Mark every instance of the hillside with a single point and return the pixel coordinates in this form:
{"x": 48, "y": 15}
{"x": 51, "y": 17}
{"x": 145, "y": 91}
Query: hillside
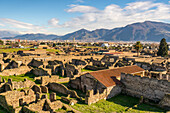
{"x": 144, "y": 31}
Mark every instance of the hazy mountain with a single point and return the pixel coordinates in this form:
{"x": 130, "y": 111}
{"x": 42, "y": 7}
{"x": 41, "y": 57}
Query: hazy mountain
{"x": 36, "y": 37}
{"x": 8, "y": 34}
{"x": 145, "y": 31}
{"x": 85, "y": 35}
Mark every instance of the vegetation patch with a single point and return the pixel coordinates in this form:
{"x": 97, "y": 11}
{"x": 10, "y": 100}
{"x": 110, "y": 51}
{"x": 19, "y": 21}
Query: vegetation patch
{"x": 53, "y": 50}
{"x": 19, "y": 77}
{"x": 119, "y": 103}
{"x": 10, "y": 50}
{"x": 86, "y": 70}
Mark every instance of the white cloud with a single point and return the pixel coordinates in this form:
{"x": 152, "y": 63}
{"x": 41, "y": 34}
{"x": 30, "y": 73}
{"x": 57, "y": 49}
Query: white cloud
{"x": 2, "y": 24}
{"x": 18, "y": 24}
{"x": 53, "y": 22}
{"x": 81, "y": 1}
{"x": 116, "y": 16}
{"x": 22, "y": 27}
{"x": 92, "y": 18}
{"x": 81, "y": 9}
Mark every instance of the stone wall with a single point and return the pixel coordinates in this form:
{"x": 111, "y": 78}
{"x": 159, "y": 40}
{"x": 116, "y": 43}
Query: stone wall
{"x": 62, "y": 80}
{"x": 10, "y": 100}
{"x": 165, "y": 102}
{"x": 93, "y": 98}
{"x": 43, "y": 106}
{"x": 22, "y": 84}
{"x": 113, "y": 91}
{"x": 39, "y": 72}
{"x": 78, "y": 62}
{"x": 56, "y": 87}
{"x": 44, "y": 80}
{"x": 16, "y": 71}
{"x": 86, "y": 82}
{"x": 89, "y": 67}
{"x": 149, "y": 88}
{"x": 106, "y": 94}
{"x": 10, "y": 85}
{"x": 47, "y": 79}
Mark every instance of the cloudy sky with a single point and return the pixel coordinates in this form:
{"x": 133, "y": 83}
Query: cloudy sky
{"x": 65, "y": 16}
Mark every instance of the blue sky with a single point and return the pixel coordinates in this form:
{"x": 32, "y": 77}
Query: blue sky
{"x": 64, "y": 16}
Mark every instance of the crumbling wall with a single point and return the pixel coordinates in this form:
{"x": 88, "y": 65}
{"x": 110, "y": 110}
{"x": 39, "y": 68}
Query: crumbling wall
{"x": 62, "y": 89}
{"x": 22, "y": 84}
{"x": 165, "y": 102}
{"x": 10, "y": 100}
{"x": 47, "y": 79}
{"x": 62, "y": 80}
{"x": 78, "y": 62}
{"x": 149, "y": 88}
{"x": 39, "y": 72}
{"x": 16, "y": 71}
{"x": 93, "y": 98}
{"x": 113, "y": 91}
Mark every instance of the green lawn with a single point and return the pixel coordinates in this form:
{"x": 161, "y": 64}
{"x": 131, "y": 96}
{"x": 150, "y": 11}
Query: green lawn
{"x": 19, "y": 77}
{"x": 2, "y": 110}
{"x": 118, "y": 104}
{"x": 9, "y": 50}
{"x": 53, "y": 50}
{"x": 91, "y": 47}
{"x": 86, "y": 70}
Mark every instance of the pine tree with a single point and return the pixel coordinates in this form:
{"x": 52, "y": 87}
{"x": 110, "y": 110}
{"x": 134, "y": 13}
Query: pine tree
{"x": 163, "y": 48}
{"x": 138, "y": 46}
{"x": 1, "y": 42}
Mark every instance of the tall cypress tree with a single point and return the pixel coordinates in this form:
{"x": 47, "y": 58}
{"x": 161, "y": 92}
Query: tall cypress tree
{"x": 163, "y": 48}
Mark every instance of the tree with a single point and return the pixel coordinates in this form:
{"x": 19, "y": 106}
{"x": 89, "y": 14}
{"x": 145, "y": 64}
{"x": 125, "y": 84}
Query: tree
{"x": 1, "y": 42}
{"x": 163, "y": 48}
{"x": 138, "y": 46}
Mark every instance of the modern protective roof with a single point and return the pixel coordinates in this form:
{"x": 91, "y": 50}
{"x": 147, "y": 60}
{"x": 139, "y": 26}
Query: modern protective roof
{"x": 108, "y": 76}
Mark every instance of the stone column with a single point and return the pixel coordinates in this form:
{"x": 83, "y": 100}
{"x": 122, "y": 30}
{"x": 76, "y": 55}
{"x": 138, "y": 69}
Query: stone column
{"x": 62, "y": 72}
{"x": 10, "y": 81}
{"x": 44, "y": 89}
{"x": 150, "y": 75}
{"x": 52, "y": 97}
{"x": 37, "y": 96}
{"x": 3, "y": 80}
{"x": 160, "y": 75}
{"x": 21, "y": 102}
{"x": 143, "y": 74}
{"x": 167, "y": 77}
{"x": 44, "y": 96}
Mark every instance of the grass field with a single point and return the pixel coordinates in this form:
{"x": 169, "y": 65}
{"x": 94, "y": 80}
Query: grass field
{"x": 86, "y": 70}
{"x": 10, "y": 50}
{"x": 53, "y": 50}
{"x": 19, "y": 77}
{"x": 2, "y": 110}
{"x": 118, "y": 104}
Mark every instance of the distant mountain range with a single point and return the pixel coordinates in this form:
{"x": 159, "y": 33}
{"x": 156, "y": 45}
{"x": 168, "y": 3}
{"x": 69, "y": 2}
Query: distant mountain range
{"x": 8, "y": 34}
{"x": 145, "y": 31}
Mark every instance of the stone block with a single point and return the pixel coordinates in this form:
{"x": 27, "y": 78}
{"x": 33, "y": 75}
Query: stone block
{"x": 44, "y": 89}
{"x": 52, "y": 96}
{"x": 36, "y": 89}
{"x": 44, "y": 96}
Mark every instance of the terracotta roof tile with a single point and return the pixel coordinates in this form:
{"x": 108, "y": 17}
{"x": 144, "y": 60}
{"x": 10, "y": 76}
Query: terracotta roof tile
{"x": 106, "y": 76}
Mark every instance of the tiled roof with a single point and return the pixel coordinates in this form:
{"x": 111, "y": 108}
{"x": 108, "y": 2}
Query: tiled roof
{"x": 106, "y": 76}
